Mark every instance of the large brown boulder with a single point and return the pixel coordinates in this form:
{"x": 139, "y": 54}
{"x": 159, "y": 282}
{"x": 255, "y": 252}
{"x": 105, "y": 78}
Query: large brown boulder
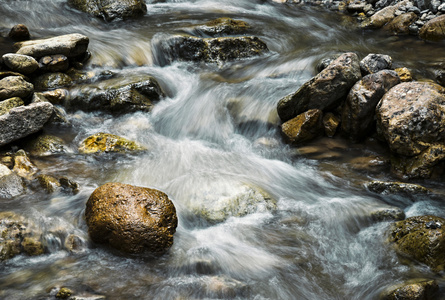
{"x": 111, "y": 9}
{"x": 325, "y": 90}
{"x": 422, "y": 239}
{"x": 131, "y": 219}
{"x": 434, "y": 29}
{"x": 359, "y": 107}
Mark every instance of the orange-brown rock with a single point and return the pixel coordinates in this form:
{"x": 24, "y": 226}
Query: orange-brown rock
{"x": 131, "y": 219}
{"x": 303, "y": 127}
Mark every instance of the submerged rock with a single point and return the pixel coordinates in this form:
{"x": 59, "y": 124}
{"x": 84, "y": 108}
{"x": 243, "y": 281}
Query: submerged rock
{"x": 396, "y": 188}
{"x": 20, "y": 63}
{"x": 222, "y": 49}
{"x": 50, "y": 81}
{"x": 303, "y": 127}
{"x": 70, "y": 45}
{"x": 111, "y": 9}
{"x": 422, "y": 239}
{"x": 414, "y": 289}
{"x": 117, "y": 95}
{"x": 105, "y": 142}
{"x": 358, "y": 111}
{"x": 131, "y": 219}
{"x": 23, "y": 121}
{"x": 44, "y": 145}
{"x": 325, "y": 90}
{"x": 15, "y": 86}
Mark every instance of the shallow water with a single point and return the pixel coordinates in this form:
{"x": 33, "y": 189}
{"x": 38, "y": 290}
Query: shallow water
{"x": 213, "y": 138}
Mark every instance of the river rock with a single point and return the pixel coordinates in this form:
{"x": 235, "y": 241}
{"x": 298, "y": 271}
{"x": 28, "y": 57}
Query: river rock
{"x": 433, "y": 30}
{"x": 46, "y": 144}
{"x": 222, "y": 49}
{"x": 20, "y": 63}
{"x": 222, "y": 26}
{"x": 383, "y": 16}
{"x": 54, "y": 63}
{"x": 130, "y": 218}
{"x": 358, "y": 111}
{"x": 57, "y": 96}
{"x": 325, "y": 90}
{"x": 396, "y": 188}
{"x": 50, "y": 81}
{"x": 410, "y": 117}
{"x": 405, "y": 74}
{"x": 11, "y": 184}
{"x": 218, "y": 201}
{"x": 105, "y": 142}
{"x": 23, "y": 165}
{"x": 49, "y": 183}
{"x": 15, "y": 86}
{"x": 388, "y": 214}
{"x": 70, "y": 45}
{"x": 330, "y": 124}
{"x": 400, "y": 24}
{"x": 111, "y": 9}
{"x": 422, "y": 239}
{"x": 19, "y": 32}
{"x": 374, "y": 63}
{"x": 8, "y": 104}
{"x": 23, "y": 121}
{"x": 117, "y": 95}
{"x": 17, "y": 237}
{"x": 414, "y": 289}
{"x": 303, "y": 127}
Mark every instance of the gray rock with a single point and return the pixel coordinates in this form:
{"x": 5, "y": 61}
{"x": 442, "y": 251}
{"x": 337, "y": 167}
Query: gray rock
{"x": 20, "y": 63}
{"x": 45, "y": 145}
{"x": 325, "y": 90}
{"x": 117, "y": 95}
{"x": 8, "y": 104}
{"x": 111, "y": 9}
{"x": 15, "y": 86}
{"x": 373, "y": 63}
{"x": 23, "y": 121}
{"x": 359, "y": 108}
{"x": 70, "y": 45}
{"x": 11, "y": 184}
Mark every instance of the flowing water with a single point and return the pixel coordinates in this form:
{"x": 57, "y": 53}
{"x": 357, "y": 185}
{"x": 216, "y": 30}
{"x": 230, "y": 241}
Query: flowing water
{"x": 211, "y": 138}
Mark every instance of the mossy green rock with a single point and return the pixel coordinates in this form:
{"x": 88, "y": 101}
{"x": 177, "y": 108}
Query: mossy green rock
{"x": 414, "y": 289}
{"x": 422, "y": 239}
{"x": 45, "y": 145}
{"x": 8, "y": 104}
{"x": 105, "y": 142}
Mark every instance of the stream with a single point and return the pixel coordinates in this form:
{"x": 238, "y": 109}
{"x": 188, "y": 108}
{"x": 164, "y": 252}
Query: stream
{"x": 213, "y": 137}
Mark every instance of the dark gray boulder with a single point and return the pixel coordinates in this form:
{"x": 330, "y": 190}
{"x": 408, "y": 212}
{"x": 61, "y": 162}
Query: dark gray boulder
{"x": 111, "y": 9}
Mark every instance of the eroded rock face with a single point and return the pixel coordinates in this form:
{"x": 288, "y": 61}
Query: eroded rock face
{"x": 70, "y": 45}
{"x": 222, "y": 49}
{"x": 23, "y": 121}
{"x": 434, "y": 29}
{"x": 131, "y": 219}
{"x": 414, "y": 289}
{"x": 422, "y": 239}
{"x": 105, "y": 142}
{"x": 303, "y": 127}
{"x": 325, "y": 90}
{"x": 359, "y": 107}
{"x": 117, "y": 95}
{"x": 411, "y": 117}
{"x": 111, "y": 9}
